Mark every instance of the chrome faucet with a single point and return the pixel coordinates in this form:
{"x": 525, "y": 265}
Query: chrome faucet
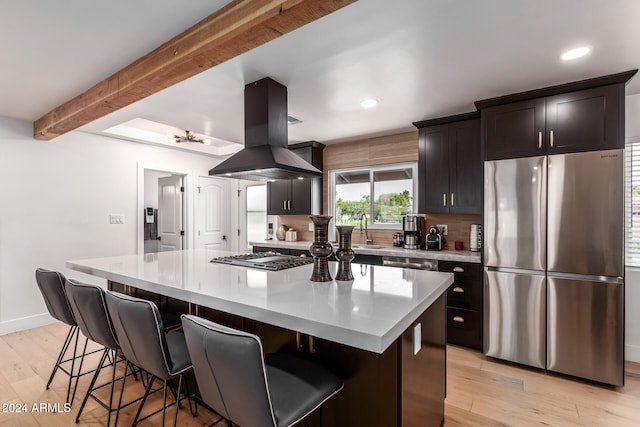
{"x": 366, "y": 228}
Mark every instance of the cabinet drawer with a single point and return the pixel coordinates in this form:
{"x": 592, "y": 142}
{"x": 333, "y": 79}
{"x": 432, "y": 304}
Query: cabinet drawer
{"x": 464, "y": 327}
{"x": 466, "y": 269}
{"x": 465, "y": 294}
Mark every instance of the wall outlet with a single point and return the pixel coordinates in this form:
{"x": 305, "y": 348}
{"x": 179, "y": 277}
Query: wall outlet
{"x": 116, "y": 219}
{"x": 310, "y": 226}
{"x": 442, "y": 228}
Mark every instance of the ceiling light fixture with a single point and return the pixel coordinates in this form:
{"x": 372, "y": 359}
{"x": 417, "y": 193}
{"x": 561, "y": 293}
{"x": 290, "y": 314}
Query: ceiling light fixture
{"x": 188, "y": 137}
{"x": 368, "y": 103}
{"x": 575, "y": 53}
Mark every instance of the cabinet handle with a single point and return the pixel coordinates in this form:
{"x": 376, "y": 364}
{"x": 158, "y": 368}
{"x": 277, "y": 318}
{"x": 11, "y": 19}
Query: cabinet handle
{"x": 539, "y": 140}
{"x": 551, "y": 138}
{"x": 312, "y": 349}
{"x": 444, "y": 199}
{"x": 458, "y": 319}
{"x": 452, "y": 199}
{"x": 289, "y": 204}
{"x": 458, "y": 289}
{"x": 284, "y": 205}
{"x": 298, "y": 344}
{"x": 458, "y": 270}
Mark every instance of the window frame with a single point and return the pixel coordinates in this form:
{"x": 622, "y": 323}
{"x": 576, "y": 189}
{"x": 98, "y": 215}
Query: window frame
{"x": 244, "y": 238}
{"x": 372, "y": 169}
{"x": 631, "y": 233}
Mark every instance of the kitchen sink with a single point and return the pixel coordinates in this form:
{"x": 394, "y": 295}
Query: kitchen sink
{"x": 366, "y": 247}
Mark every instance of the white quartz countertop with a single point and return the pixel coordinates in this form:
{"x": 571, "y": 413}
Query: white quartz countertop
{"x": 370, "y": 313}
{"x": 444, "y": 255}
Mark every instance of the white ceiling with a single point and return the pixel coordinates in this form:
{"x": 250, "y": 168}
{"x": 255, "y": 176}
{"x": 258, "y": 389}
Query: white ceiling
{"x": 420, "y": 58}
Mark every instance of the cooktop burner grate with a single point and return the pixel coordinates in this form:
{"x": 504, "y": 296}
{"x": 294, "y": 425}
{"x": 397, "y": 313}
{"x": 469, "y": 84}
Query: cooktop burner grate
{"x": 272, "y": 261}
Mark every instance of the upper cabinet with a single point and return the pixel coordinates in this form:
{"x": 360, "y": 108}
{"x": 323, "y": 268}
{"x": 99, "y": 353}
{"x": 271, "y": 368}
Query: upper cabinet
{"x": 449, "y": 165}
{"x": 298, "y": 196}
{"x": 581, "y": 116}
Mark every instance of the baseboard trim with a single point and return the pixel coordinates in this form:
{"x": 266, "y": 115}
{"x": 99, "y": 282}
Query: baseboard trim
{"x": 632, "y": 353}
{"x": 23, "y": 323}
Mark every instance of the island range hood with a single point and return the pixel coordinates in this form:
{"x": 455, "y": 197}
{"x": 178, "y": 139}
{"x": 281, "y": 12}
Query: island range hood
{"x": 266, "y": 155}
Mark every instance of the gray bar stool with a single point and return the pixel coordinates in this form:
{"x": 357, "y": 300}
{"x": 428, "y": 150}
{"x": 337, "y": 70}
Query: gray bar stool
{"x": 90, "y": 310}
{"x": 51, "y": 285}
{"x": 145, "y": 343}
{"x": 248, "y": 388}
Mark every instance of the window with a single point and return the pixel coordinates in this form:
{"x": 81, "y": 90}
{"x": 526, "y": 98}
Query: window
{"x": 256, "y": 198}
{"x": 383, "y": 193}
{"x": 632, "y": 204}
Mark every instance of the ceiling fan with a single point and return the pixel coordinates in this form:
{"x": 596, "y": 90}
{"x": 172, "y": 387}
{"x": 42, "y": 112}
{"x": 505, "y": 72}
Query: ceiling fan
{"x": 188, "y": 137}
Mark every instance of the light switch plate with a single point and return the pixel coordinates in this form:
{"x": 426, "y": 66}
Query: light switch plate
{"x": 310, "y": 226}
{"x": 116, "y": 219}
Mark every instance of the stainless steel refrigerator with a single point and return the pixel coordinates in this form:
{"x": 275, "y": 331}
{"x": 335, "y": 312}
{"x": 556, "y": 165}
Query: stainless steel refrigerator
{"x": 554, "y": 270}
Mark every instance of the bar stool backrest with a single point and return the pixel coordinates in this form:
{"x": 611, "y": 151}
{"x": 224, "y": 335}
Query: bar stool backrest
{"x": 90, "y": 310}
{"x": 51, "y": 285}
{"x": 230, "y": 371}
{"x": 140, "y": 333}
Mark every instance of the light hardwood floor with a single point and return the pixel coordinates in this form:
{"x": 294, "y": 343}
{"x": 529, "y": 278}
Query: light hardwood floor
{"x": 480, "y": 391}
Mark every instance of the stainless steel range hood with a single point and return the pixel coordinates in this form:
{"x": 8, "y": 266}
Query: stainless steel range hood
{"x": 266, "y": 155}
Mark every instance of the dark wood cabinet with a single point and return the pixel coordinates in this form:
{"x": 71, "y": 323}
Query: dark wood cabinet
{"x": 298, "y": 196}
{"x": 464, "y": 304}
{"x": 449, "y": 165}
{"x": 584, "y": 120}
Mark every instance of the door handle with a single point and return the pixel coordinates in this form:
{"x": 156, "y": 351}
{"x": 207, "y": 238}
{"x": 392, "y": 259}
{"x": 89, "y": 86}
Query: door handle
{"x": 539, "y": 140}
{"x": 458, "y": 289}
{"x": 551, "y": 138}
{"x": 444, "y": 199}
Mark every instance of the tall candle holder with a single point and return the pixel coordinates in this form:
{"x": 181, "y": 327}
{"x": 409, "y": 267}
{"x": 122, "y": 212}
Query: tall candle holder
{"x": 344, "y": 254}
{"x": 320, "y": 248}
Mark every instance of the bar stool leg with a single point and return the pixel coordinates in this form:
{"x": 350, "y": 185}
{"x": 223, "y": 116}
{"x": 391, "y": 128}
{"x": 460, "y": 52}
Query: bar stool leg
{"x": 72, "y": 331}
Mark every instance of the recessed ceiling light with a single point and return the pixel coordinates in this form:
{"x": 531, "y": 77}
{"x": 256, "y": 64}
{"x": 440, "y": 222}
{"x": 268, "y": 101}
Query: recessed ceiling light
{"x": 575, "y": 53}
{"x": 368, "y": 103}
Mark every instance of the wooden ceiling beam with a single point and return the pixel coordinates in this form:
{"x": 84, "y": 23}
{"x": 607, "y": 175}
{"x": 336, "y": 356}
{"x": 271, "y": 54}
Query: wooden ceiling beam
{"x": 229, "y": 32}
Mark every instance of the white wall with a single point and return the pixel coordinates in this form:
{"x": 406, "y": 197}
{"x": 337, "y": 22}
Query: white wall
{"x": 55, "y": 201}
{"x": 632, "y": 275}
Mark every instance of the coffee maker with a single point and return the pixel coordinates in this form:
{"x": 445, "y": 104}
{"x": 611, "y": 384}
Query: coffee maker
{"x": 412, "y": 226}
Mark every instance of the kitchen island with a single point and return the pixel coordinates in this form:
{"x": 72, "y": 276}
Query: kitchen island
{"x": 384, "y": 333}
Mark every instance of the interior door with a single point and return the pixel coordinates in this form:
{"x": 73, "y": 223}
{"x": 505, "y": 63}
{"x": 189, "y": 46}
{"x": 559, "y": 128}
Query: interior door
{"x": 211, "y": 213}
{"x": 170, "y": 208}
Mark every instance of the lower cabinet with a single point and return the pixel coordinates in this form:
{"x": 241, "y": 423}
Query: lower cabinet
{"x": 464, "y": 304}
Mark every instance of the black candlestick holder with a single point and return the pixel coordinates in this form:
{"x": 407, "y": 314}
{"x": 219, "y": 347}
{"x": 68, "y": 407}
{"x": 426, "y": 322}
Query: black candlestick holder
{"x": 344, "y": 254}
{"x": 321, "y": 249}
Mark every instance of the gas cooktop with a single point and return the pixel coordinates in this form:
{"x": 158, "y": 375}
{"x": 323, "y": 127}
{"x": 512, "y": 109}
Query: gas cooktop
{"x": 264, "y": 260}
